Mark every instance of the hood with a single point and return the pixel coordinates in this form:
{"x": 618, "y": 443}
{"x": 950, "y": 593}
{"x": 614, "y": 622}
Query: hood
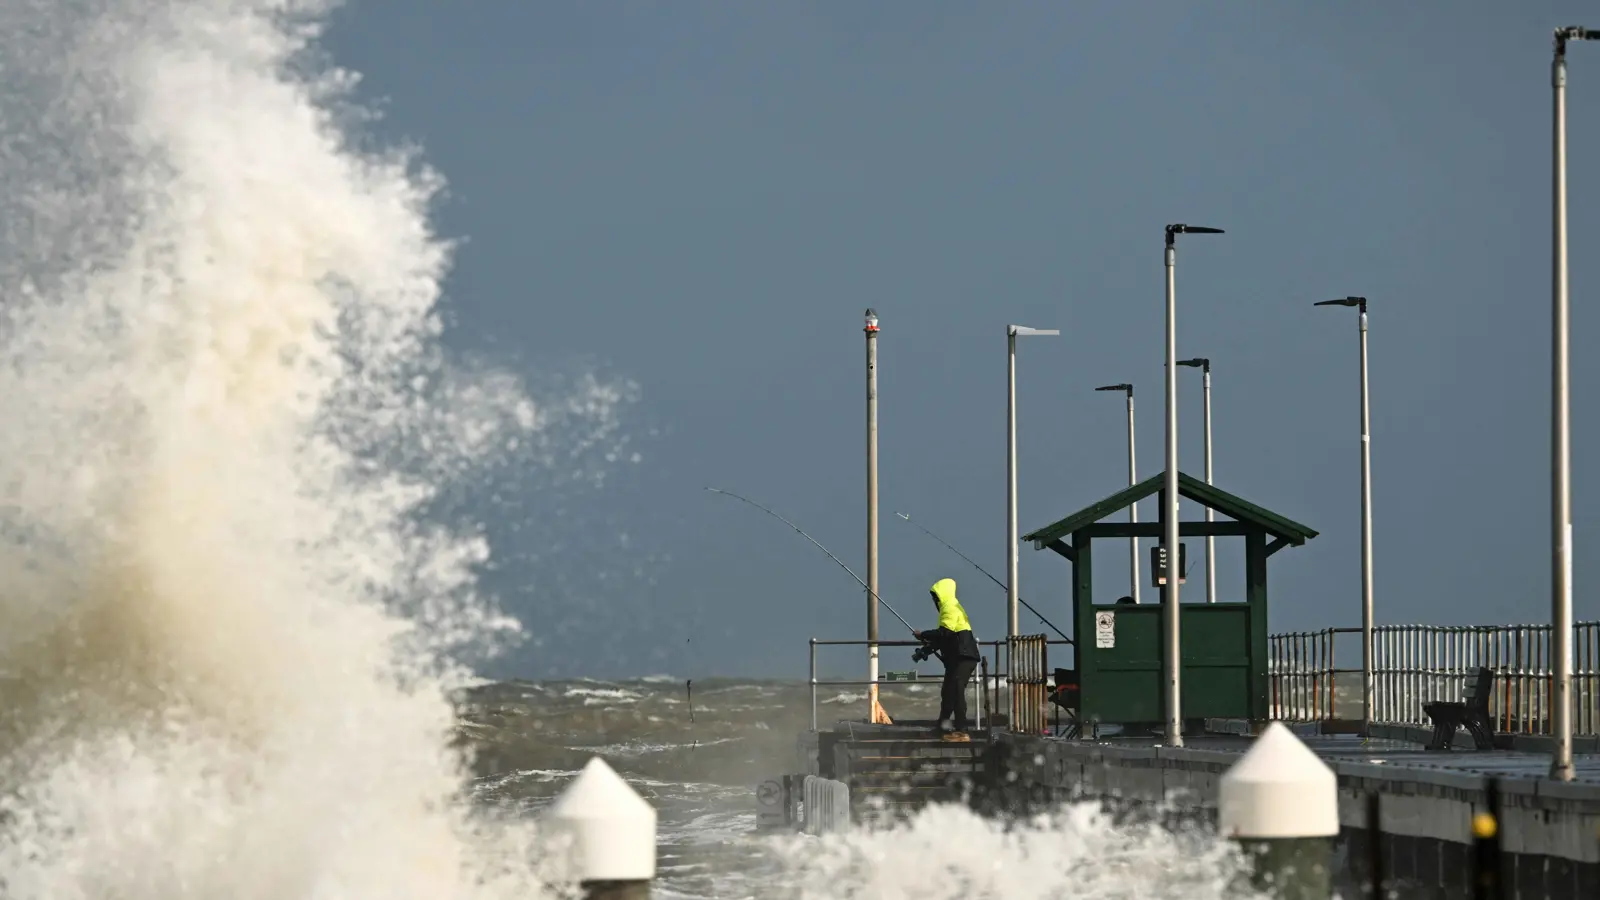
{"x": 944, "y": 591}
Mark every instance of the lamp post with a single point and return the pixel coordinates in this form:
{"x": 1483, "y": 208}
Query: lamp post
{"x": 1211, "y": 515}
{"x": 1012, "y": 333}
{"x": 1360, "y": 303}
{"x": 875, "y": 712}
{"x": 1169, "y": 502}
{"x": 1560, "y": 424}
{"x": 1133, "y": 479}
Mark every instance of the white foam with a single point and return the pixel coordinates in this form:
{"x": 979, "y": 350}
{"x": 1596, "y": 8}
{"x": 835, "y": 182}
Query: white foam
{"x": 949, "y": 853}
{"x": 228, "y": 620}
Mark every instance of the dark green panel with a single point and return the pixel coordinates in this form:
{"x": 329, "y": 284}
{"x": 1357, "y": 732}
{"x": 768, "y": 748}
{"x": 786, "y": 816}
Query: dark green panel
{"x": 1255, "y": 567}
{"x": 1216, "y": 693}
{"x": 1122, "y": 684}
{"x": 1082, "y": 596}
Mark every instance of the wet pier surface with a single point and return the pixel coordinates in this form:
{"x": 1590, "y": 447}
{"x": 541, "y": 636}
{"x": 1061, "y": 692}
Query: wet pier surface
{"x": 1398, "y": 754}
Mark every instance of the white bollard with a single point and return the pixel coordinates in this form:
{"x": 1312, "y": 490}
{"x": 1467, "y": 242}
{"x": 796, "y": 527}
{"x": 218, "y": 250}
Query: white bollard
{"x": 1280, "y": 801}
{"x": 613, "y": 833}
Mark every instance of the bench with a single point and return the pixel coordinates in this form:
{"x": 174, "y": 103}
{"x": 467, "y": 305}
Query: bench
{"x": 1473, "y": 712}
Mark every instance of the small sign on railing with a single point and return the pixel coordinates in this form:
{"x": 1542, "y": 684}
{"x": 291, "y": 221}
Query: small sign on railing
{"x": 900, "y": 676}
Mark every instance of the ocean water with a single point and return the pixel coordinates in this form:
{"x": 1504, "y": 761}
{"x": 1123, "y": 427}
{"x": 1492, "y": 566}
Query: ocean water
{"x": 238, "y": 608}
{"x": 699, "y": 762}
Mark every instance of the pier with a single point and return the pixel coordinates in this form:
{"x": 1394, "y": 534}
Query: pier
{"x": 1426, "y": 800}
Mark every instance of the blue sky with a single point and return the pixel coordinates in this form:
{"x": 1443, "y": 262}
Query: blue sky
{"x": 703, "y": 197}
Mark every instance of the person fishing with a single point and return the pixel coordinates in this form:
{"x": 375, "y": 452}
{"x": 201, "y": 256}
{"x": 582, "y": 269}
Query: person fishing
{"x": 957, "y": 648}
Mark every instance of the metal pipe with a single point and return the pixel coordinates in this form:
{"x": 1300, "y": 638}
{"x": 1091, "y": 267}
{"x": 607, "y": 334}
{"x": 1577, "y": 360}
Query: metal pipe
{"x": 1133, "y": 508}
{"x": 1211, "y": 540}
{"x": 1012, "y": 331}
{"x": 1169, "y": 515}
{"x": 1366, "y": 539}
{"x": 1561, "y": 767}
{"x": 813, "y": 684}
{"x": 1171, "y": 613}
{"x": 1011, "y": 483}
{"x": 874, "y": 709}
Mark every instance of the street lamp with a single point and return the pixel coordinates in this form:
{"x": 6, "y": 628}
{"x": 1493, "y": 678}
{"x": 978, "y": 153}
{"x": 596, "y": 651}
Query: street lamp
{"x": 1012, "y": 333}
{"x": 875, "y": 711}
{"x": 1169, "y": 503}
{"x": 1561, "y": 418}
{"x": 1360, "y": 303}
{"x": 1204, "y": 365}
{"x": 1133, "y": 479}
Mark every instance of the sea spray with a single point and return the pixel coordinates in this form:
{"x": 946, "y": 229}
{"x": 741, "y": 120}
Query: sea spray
{"x": 947, "y": 852}
{"x": 230, "y": 623}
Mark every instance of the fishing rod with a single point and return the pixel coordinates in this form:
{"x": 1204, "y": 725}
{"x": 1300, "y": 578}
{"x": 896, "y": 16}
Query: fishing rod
{"x": 824, "y": 550}
{"x": 986, "y": 572}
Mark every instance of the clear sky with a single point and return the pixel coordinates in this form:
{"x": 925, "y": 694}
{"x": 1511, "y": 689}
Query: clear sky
{"x": 703, "y": 197}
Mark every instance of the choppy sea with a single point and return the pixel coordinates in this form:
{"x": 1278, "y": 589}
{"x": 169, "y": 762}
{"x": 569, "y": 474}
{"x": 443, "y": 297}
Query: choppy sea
{"x": 697, "y": 753}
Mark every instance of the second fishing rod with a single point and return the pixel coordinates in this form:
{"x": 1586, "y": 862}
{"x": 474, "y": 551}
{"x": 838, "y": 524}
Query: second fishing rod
{"x": 819, "y": 546}
{"x": 975, "y": 565}
{"x": 863, "y": 584}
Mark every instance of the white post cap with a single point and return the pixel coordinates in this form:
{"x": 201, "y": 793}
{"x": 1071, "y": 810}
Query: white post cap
{"x": 613, "y": 829}
{"x": 1278, "y": 789}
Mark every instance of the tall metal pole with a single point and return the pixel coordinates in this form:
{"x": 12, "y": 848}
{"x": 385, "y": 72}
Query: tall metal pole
{"x": 1560, "y": 438}
{"x": 1133, "y": 479}
{"x": 1171, "y": 644}
{"x": 1211, "y": 514}
{"x": 1204, "y": 364}
{"x": 1367, "y": 681}
{"x": 1012, "y": 592}
{"x": 1367, "y": 686}
{"x": 1133, "y": 508}
{"x": 1169, "y": 514}
{"x": 1011, "y": 483}
{"x": 874, "y": 710}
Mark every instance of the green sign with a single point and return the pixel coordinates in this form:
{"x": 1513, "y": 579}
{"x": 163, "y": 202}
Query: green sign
{"x": 900, "y": 676}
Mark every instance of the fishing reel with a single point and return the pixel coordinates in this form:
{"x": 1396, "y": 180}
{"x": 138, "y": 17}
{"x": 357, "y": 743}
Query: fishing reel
{"x": 921, "y": 654}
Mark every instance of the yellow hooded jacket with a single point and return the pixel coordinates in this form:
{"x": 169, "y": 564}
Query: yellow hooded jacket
{"x": 953, "y": 638}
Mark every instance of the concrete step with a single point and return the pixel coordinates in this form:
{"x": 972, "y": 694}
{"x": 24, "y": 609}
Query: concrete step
{"x": 915, "y": 767}
{"x": 907, "y": 749}
{"x": 919, "y": 779}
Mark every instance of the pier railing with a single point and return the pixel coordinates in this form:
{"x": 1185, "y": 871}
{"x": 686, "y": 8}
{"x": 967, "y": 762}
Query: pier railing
{"x": 994, "y": 675}
{"x": 1316, "y": 675}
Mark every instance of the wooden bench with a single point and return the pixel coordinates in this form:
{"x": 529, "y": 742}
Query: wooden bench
{"x": 1473, "y": 712}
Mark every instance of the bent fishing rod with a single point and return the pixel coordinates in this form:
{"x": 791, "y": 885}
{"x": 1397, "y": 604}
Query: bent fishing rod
{"x": 824, "y": 550}
{"x": 986, "y": 572}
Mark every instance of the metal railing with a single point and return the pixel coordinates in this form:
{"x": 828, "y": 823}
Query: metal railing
{"x": 986, "y": 682}
{"x": 980, "y": 696}
{"x": 1417, "y": 664}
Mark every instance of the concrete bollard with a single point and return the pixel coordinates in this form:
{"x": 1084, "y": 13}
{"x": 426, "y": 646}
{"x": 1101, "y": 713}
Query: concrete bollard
{"x": 1281, "y": 803}
{"x": 613, "y": 833}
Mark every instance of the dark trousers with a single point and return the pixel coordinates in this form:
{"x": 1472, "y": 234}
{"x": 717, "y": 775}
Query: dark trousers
{"x": 953, "y": 694}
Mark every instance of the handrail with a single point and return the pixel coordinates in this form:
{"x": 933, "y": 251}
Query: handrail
{"x": 984, "y": 679}
{"x": 1416, "y": 664}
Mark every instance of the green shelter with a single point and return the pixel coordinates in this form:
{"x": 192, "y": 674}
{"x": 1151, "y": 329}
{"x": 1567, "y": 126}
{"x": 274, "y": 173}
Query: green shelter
{"x": 1223, "y": 644}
